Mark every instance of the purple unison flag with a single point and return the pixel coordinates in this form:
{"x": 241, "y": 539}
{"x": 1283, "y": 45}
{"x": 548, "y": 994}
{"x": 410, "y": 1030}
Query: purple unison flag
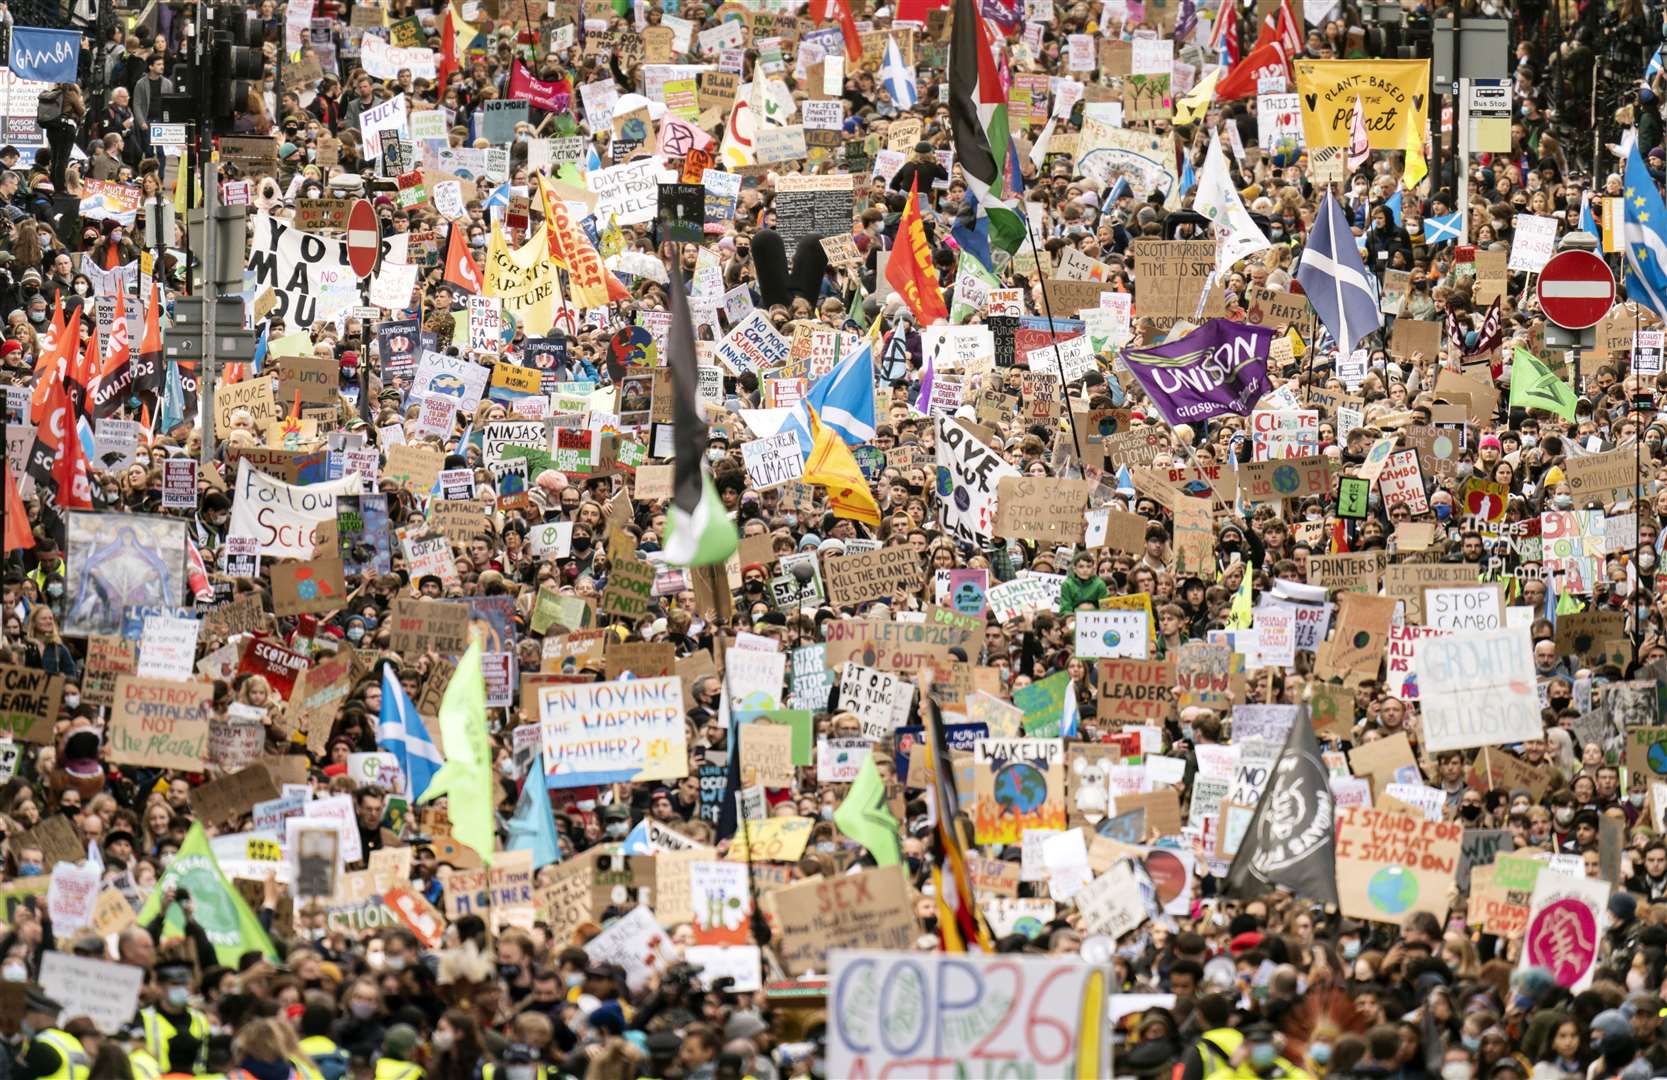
{"x": 1222, "y": 367}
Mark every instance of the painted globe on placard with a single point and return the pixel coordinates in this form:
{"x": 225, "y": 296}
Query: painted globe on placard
{"x": 1020, "y": 788}
{"x": 1658, "y": 757}
{"x": 1393, "y": 889}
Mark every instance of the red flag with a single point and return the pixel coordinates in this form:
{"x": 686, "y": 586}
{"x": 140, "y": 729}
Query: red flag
{"x": 826, "y": 11}
{"x": 69, "y": 472}
{"x": 460, "y": 267}
{"x": 1289, "y": 29}
{"x": 18, "y": 535}
{"x": 115, "y": 381}
{"x": 910, "y": 270}
{"x": 1266, "y": 59}
{"x": 1226, "y": 33}
{"x": 53, "y": 362}
{"x": 1340, "y": 537}
{"x": 149, "y": 380}
{"x": 448, "y": 51}
{"x": 549, "y": 96}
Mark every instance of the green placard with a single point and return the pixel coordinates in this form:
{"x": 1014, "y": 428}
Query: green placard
{"x": 1352, "y": 492}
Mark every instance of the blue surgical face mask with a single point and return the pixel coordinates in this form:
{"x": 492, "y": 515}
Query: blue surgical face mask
{"x": 29, "y": 870}
{"x": 1472, "y": 1043}
{"x": 576, "y": 979}
{"x": 179, "y": 996}
{"x": 1320, "y": 1053}
{"x": 1351, "y": 949}
{"x": 1262, "y": 1056}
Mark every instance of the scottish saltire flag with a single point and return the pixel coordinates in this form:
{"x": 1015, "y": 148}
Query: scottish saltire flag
{"x": 1443, "y": 230}
{"x": 400, "y": 732}
{"x": 498, "y": 200}
{"x": 1335, "y": 281}
{"x": 843, "y": 399}
{"x": 1588, "y": 223}
{"x": 1656, "y": 64}
{"x": 898, "y": 78}
{"x": 1394, "y": 205}
{"x": 1642, "y": 223}
{"x": 1189, "y": 178}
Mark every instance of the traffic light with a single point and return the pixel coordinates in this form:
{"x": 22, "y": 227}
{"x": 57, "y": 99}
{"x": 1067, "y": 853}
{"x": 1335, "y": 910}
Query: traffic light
{"x": 235, "y": 64}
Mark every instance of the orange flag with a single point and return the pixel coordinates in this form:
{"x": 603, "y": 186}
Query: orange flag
{"x": 910, "y": 270}
{"x": 18, "y": 535}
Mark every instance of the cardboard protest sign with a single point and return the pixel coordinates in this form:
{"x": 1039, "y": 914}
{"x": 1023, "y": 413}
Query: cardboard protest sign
{"x": 1020, "y": 785}
{"x": 766, "y": 755}
{"x": 1136, "y": 691}
{"x": 1045, "y": 509}
{"x": 1073, "y": 997}
{"x": 613, "y": 732}
{"x": 105, "y": 993}
{"x": 420, "y": 626}
{"x": 1390, "y": 865}
{"x": 160, "y": 723}
{"x": 871, "y": 575}
{"x": 29, "y": 702}
{"x": 1477, "y": 689}
{"x": 308, "y": 588}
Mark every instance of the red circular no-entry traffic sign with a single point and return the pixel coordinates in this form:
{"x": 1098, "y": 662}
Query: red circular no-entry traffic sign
{"x": 1576, "y": 289}
{"x": 364, "y": 238}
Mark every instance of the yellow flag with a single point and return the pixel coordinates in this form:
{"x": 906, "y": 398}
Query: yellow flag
{"x": 1415, "y": 170}
{"x": 1191, "y": 108}
{"x": 831, "y": 466}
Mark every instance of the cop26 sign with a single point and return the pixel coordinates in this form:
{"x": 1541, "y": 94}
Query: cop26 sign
{"x": 1222, "y": 367}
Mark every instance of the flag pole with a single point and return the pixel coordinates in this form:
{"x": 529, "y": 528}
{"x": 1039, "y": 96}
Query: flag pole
{"x": 1059, "y": 362}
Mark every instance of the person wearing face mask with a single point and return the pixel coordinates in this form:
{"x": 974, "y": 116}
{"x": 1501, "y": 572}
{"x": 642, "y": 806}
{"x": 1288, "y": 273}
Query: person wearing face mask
{"x": 458, "y": 1048}
{"x": 616, "y": 821}
{"x": 175, "y": 1032}
{"x": 1259, "y": 1057}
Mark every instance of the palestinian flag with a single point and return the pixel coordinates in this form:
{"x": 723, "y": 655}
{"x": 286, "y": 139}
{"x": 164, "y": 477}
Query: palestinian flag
{"x": 978, "y": 118}
{"x": 115, "y": 382}
{"x": 698, "y": 529}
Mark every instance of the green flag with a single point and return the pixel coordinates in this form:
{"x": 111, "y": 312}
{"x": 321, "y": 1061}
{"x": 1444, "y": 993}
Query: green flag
{"x": 864, "y": 818}
{"x": 220, "y": 909}
{"x": 467, "y": 774}
{"x": 1534, "y": 386}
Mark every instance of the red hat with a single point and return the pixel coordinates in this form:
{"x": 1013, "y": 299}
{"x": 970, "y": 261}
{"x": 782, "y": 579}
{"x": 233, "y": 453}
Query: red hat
{"x": 1246, "y": 941}
{"x": 9, "y": 346}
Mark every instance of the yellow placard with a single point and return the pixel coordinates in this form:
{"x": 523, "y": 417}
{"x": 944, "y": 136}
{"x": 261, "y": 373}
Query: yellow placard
{"x": 264, "y": 850}
{"x": 778, "y": 839}
{"x": 1389, "y": 91}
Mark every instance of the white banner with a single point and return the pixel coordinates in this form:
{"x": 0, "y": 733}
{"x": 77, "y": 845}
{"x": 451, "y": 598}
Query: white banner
{"x": 283, "y": 518}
